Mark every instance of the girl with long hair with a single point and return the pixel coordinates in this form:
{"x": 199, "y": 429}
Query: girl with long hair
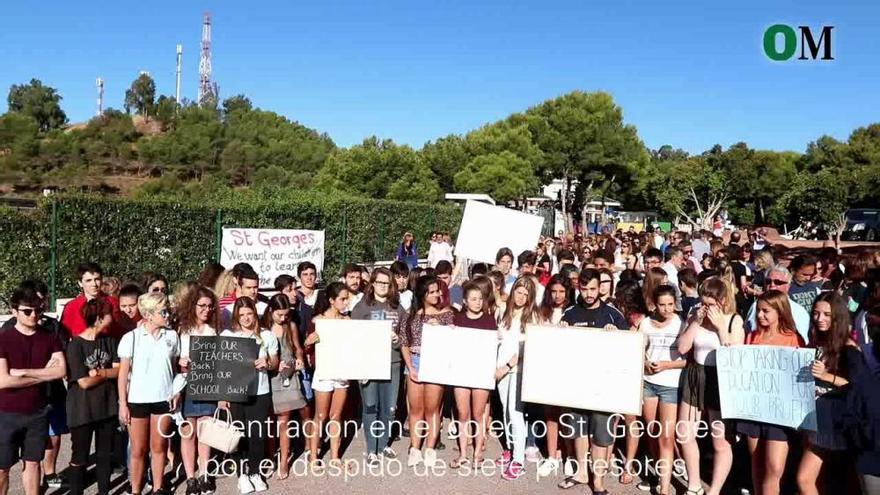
{"x": 407, "y": 251}
{"x": 254, "y": 413}
{"x": 381, "y": 301}
{"x": 830, "y": 335}
{"x": 521, "y": 311}
{"x": 472, "y": 403}
{"x": 662, "y": 372}
{"x": 558, "y": 297}
{"x": 330, "y": 395}
{"x": 198, "y": 317}
{"x": 768, "y": 444}
{"x": 425, "y": 399}
{"x": 287, "y": 392}
{"x": 711, "y": 325}
{"x": 654, "y": 278}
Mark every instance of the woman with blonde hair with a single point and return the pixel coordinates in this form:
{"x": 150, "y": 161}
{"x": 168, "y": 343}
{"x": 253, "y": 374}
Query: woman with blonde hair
{"x": 768, "y": 444}
{"x": 225, "y": 288}
{"x": 521, "y": 310}
{"x": 712, "y": 324}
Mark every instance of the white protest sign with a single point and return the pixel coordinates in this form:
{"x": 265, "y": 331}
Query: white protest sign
{"x": 770, "y": 384}
{"x": 353, "y": 349}
{"x": 485, "y": 229}
{"x": 459, "y": 356}
{"x": 597, "y": 370}
{"x": 272, "y": 252}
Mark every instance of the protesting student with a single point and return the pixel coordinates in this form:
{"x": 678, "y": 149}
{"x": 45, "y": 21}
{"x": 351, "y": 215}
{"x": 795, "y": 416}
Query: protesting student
{"x": 24, "y": 386}
{"x": 247, "y": 284}
{"x": 714, "y": 323}
{"x": 330, "y": 394}
{"x": 425, "y": 399}
{"x": 830, "y": 335}
{"x": 662, "y": 372}
{"x": 521, "y": 311}
{"x": 379, "y": 397}
{"x": 591, "y": 428}
{"x": 407, "y": 252}
{"x": 148, "y": 362}
{"x": 472, "y": 403}
{"x": 768, "y": 443}
{"x": 198, "y": 317}
{"x": 92, "y": 396}
{"x": 287, "y": 393}
{"x": 254, "y": 412}
{"x": 558, "y": 297}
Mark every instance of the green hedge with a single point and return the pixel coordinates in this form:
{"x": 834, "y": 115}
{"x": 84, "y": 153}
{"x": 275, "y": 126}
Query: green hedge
{"x": 178, "y": 237}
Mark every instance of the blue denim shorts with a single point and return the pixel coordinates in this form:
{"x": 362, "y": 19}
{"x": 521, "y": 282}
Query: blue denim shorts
{"x": 667, "y": 395}
{"x": 198, "y": 408}
{"x": 58, "y": 420}
{"x": 415, "y": 361}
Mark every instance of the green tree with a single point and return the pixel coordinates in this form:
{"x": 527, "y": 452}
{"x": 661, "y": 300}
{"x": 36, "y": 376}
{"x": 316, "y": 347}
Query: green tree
{"x": 237, "y": 103}
{"x": 504, "y": 176}
{"x": 43, "y": 103}
{"x": 379, "y": 169}
{"x": 583, "y": 138}
{"x": 166, "y": 111}
{"x": 141, "y": 96}
{"x": 445, "y": 157}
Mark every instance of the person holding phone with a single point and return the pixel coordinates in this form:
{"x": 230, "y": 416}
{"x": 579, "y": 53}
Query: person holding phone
{"x": 713, "y": 324}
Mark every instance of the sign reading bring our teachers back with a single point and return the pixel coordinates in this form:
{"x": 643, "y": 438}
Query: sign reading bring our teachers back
{"x": 272, "y": 252}
{"x": 770, "y": 384}
{"x": 221, "y": 368}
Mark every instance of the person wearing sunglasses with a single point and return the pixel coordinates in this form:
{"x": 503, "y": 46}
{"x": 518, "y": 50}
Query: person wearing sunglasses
{"x": 779, "y": 278}
{"x": 148, "y": 358}
{"x": 24, "y": 382}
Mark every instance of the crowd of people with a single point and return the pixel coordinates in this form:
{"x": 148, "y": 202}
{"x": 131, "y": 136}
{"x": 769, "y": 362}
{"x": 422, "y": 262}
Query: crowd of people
{"x": 112, "y": 369}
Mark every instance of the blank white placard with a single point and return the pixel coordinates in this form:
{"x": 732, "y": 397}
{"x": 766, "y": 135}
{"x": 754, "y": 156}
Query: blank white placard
{"x": 353, "y": 349}
{"x": 458, "y": 356}
{"x": 485, "y": 229}
{"x": 584, "y": 368}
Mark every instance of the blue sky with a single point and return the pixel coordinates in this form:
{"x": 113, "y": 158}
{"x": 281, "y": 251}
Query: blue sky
{"x": 688, "y": 73}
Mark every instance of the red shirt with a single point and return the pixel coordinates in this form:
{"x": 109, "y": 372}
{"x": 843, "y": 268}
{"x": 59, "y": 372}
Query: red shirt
{"x": 73, "y": 319}
{"x": 791, "y": 339}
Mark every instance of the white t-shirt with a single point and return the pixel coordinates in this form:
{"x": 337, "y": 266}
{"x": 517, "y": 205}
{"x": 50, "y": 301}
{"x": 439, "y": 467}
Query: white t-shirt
{"x": 205, "y": 331}
{"x": 269, "y": 347}
{"x": 152, "y": 359}
{"x": 406, "y": 299}
{"x": 662, "y": 346}
{"x": 705, "y": 344}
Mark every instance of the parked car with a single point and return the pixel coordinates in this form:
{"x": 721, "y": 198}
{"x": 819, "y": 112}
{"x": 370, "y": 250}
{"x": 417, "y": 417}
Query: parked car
{"x": 862, "y": 225}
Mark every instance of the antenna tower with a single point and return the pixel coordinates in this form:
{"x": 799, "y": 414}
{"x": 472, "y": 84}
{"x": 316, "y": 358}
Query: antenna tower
{"x": 99, "y": 82}
{"x": 206, "y": 88}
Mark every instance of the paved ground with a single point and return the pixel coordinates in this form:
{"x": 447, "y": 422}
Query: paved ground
{"x": 395, "y": 478}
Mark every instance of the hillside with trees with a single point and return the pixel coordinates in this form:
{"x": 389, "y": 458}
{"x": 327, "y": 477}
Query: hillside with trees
{"x": 157, "y": 147}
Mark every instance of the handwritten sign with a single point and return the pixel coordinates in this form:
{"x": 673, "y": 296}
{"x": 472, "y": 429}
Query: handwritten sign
{"x": 463, "y": 357}
{"x": 485, "y": 229}
{"x": 272, "y": 252}
{"x": 222, "y": 368}
{"x": 584, "y": 368}
{"x": 766, "y": 383}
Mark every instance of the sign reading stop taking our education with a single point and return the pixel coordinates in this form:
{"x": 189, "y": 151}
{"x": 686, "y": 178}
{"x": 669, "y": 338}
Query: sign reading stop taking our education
{"x": 272, "y": 252}
{"x": 770, "y": 384}
{"x": 222, "y": 368}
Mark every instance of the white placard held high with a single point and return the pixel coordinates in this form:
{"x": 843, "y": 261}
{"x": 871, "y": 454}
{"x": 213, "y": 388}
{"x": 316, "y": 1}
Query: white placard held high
{"x": 597, "y": 370}
{"x": 459, "y": 356}
{"x": 353, "y": 349}
{"x": 485, "y": 229}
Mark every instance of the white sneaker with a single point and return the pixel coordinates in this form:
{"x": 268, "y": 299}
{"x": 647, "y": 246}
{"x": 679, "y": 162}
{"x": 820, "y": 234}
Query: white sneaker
{"x": 533, "y": 454}
{"x": 548, "y": 467}
{"x": 430, "y": 457}
{"x": 259, "y": 484}
{"x": 245, "y": 485}
{"x": 415, "y": 457}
